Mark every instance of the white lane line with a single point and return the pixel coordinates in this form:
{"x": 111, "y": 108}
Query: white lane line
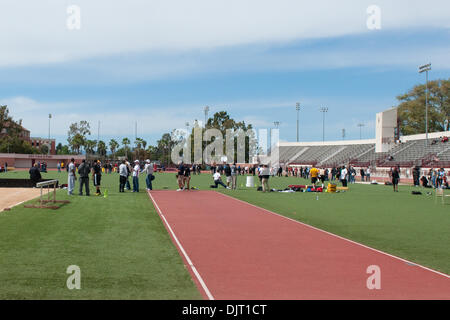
{"x": 342, "y": 238}
{"x": 191, "y": 265}
{"x": 18, "y": 203}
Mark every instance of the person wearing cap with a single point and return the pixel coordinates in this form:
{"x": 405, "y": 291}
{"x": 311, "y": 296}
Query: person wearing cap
{"x": 136, "y": 171}
{"x": 149, "y": 169}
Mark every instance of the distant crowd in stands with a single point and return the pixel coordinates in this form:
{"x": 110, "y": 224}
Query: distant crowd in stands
{"x": 441, "y": 139}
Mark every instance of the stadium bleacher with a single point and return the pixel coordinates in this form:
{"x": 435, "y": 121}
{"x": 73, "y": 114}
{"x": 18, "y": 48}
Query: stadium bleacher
{"x": 406, "y": 154}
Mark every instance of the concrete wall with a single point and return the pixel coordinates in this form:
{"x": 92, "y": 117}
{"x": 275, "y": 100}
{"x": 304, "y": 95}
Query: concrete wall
{"x": 386, "y": 122}
{"x": 23, "y": 161}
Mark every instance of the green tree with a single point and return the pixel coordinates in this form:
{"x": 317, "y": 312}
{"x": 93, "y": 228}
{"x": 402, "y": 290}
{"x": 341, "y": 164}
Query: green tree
{"x": 126, "y": 142}
{"x": 139, "y": 150}
{"x": 62, "y": 149}
{"x": 222, "y": 121}
{"x": 101, "y": 148}
{"x": 12, "y": 139}
{"x": 7, "y": 124}
{"x": 164, "y": 146}
{"x": 113, "y": 145}
{"x": 90, "y": 146}
{"x": 152, "y": 152}
{"x": 58, "y": 148}
{"x": 77, "y": 135}
{"x": 43, "y": 149}
{"x": 16, "y": 145}
{"x": 411, "y": 110}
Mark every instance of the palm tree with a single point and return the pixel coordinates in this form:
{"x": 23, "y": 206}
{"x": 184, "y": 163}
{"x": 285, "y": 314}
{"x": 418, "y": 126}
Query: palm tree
{"x": 101, "y": 148}
{"x": 126, "y": 142}
{"x": 76, "y": 142}
{"x": 144, "y": 145}
{"x": 113, "y": 145}
{"x": 89, "y": 146}
{"x": 138, "y": 143}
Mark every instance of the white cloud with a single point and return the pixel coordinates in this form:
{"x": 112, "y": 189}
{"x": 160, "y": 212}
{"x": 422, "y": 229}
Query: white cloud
{"x": 121, "y": 123}
{"x": 35, "y": 32}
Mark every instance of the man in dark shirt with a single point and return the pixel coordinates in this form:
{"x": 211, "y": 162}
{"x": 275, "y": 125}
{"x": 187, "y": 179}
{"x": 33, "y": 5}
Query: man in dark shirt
{"x": 97, "y": 175}
{"x": 187, "y": 177}
{"x": 362, "y": 174}
{"x": 395, "y": 178}
{"x": 180, "y": 177}
{"x": 227, "y": 170}
{"x": 83, "y": 171}
{"x": 35, "y": 174}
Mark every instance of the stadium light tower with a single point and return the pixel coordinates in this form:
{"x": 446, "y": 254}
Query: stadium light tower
{"x": 206, "y": 110}
{"x": 425, "y": 69}
{"x": 343, "y": 134}
{"x": 323, "y": 110}
{"x": 297, "y": 107}
{"x": 49, "y": 143}
{"x": 360, "y": 125}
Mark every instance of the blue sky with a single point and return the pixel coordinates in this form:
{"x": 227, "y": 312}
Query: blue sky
{"x": 162, "y": 72}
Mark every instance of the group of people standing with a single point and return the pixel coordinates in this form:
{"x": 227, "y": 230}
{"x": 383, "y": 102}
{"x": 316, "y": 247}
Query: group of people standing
{"x": 438, "y": 177}
{"x": 125, "y": 171}
{"x": 434, "y": 178}
{"x": 84, "y": 169}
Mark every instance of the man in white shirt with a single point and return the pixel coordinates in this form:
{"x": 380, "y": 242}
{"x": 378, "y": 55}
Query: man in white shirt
{"x": 264, "y": 173}
{"x": 72, "y": 177}
{"x": 123, "y": 174}
{"x": 343, "y": 176}
{"x": 148, "y": 169}
{"x": 218, "y": 180}
{"x": 322, "y": 176}
{"x": 136, "y": 171}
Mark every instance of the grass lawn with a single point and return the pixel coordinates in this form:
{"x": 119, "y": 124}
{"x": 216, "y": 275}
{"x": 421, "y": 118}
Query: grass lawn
{"x": 119, "y": 243}
{"x": 124, "y": 251}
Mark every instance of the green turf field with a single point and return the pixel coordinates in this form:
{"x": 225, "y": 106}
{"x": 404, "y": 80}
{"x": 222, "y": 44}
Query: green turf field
{"x": 119, "y": 243}
{"x": 124, "y": 251}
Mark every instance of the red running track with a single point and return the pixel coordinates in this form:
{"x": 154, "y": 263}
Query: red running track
{"x": 235, "y": 250}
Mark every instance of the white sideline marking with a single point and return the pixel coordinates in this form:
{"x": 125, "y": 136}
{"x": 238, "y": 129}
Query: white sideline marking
{"x": 18, "y": 203}
{"x": 335, "y": 235}
{"x": 199, "y": 278}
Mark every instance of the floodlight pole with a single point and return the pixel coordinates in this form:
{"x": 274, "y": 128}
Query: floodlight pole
{"x": 49, "y": 142}
{"x": 426, "y": 109}
{"x": 297, "y": 107}
{"x": 425, "y": 69}
{"x": 206, "y": 110}
{"x": 323, "y": 110}
{"x": 360, "y": 125}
